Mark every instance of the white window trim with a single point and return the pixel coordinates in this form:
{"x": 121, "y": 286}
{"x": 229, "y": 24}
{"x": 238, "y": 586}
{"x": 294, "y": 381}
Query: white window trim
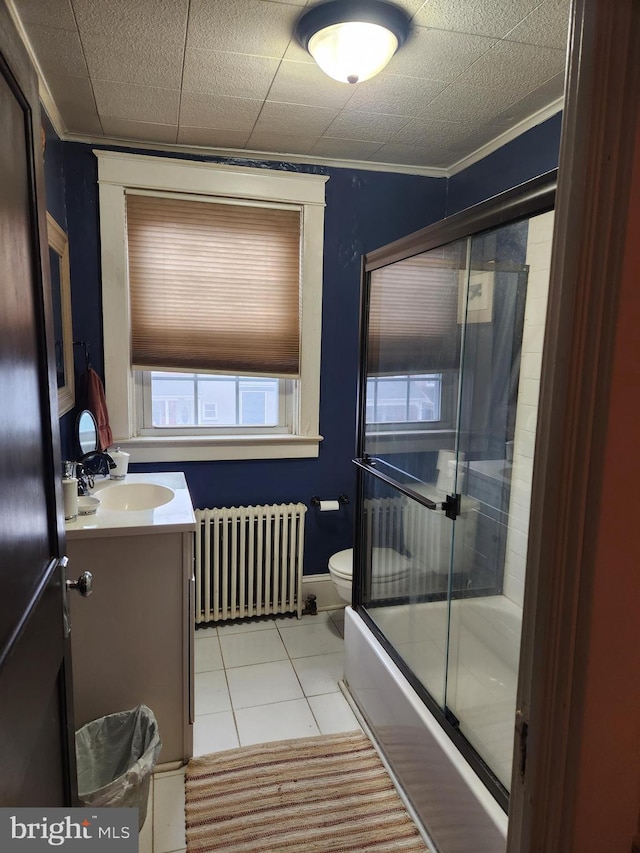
{"x": 118, "y": 171}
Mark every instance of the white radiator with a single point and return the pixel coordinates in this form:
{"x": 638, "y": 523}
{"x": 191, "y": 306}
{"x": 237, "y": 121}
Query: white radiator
{"x": 248, "y": 561}
{"x": 412, "y": 545}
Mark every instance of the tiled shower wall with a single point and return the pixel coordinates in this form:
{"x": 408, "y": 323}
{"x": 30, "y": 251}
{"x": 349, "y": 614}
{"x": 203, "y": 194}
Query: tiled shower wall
{"x": 539, "y": 261}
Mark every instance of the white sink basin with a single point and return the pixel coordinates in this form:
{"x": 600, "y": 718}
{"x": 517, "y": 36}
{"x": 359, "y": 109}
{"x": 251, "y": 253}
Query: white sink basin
{"x": 132, "y": 497}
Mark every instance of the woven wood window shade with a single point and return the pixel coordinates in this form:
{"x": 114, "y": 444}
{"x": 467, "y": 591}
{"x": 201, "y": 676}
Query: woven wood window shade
{"x": 214, "y": 287}
{"x": 413, "y": 310}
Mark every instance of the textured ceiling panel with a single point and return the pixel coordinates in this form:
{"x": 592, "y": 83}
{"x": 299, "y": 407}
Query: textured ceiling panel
{"x": 345, "y": 149}
{"x": 58, "y": 51}
{"x": 213, "y": 138}
{"x": 129, "y": 61}
{"x": 489, "y": 18}
{"x": 547, "y": 26}
{"x": 366, "y": 126}
{"x": 285, "y": 142}
{"x": 203, "y": 110}
{"x": 389, "y": 93}
{"x": 523, "y": 65}
{"x": 46, "y": 13}
{"x": 438, "y": 54}
{"x": 123, "y": 129}
{"x": 229, "y": 74}
{"x": 308, "y": 121}
{"x": 305, "y": 83}
{"x": 255, "y": 27}
{"x": 136, "y": 103}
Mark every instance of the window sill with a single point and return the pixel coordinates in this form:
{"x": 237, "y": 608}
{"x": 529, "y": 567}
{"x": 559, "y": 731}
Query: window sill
{"x": 200, "y": 448}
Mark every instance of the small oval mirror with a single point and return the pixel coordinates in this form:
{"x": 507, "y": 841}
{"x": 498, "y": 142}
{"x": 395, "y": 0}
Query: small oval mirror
{"x": 86, "y": 432}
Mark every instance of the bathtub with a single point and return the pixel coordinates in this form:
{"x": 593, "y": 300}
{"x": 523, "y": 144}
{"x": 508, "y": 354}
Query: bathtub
{"x": 456, "y": 809}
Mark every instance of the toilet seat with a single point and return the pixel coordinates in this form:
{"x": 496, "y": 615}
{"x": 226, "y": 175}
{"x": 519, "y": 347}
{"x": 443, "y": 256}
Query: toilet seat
{"x": 387, "y": 564}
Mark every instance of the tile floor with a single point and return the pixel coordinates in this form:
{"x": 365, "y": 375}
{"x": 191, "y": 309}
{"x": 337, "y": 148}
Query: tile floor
{"x": 255, "y": 682}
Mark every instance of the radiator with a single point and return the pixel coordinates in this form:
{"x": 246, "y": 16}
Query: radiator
{"x": 412, "y": 546}
{"x": 248, "y": 561}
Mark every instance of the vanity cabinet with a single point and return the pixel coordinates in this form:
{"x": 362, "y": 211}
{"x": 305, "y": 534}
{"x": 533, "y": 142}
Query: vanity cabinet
{"x": 132, "y": 638}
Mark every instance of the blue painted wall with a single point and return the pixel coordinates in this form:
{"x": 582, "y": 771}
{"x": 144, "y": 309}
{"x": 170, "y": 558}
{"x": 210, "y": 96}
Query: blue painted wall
{"x": 531, "y": 154}
{"x": 365, "y": 210}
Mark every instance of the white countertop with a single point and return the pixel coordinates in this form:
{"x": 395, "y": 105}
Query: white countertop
{"x": 172, "y": 517}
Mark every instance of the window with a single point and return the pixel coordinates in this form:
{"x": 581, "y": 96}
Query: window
{"x": 203, "y": 359}
{"x": 404, "y": 399}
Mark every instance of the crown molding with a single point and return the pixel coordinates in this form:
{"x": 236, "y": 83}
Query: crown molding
{"x": 43, "y": 89}
{"x": 268, "y": 156}
{"x": 512, "y": 133}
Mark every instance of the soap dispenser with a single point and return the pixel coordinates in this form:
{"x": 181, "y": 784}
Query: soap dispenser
{"x": 122, "y": 464}
{"x": 69, "y": 491}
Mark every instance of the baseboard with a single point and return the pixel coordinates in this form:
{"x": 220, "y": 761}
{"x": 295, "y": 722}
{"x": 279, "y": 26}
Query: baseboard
{"x": 324, "y": 589}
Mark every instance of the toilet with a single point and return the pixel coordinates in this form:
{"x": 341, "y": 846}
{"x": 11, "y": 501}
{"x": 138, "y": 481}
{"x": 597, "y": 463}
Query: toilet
{"x": 389, "y": 571}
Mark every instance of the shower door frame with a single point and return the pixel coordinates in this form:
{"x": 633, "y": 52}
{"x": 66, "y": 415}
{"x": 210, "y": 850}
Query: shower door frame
{"x": 525, "y": 201}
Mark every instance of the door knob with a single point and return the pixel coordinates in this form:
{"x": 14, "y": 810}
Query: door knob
{"x": 84, "y": 584}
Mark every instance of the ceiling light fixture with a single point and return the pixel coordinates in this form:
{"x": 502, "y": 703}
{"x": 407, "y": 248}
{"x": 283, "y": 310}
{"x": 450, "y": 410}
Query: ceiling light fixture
{"x": 352, "y": 40}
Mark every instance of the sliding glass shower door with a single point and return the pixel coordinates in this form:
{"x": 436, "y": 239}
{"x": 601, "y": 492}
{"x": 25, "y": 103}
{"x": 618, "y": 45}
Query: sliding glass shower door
{"x": 447, "y": 429}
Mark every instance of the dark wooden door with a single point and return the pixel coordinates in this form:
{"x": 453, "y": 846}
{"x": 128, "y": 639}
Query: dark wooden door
{"x": 36, "y": 719}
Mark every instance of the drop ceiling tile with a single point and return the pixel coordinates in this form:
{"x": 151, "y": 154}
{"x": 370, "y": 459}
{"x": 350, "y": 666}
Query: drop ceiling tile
{"x": 489, "y": 18}
{"x": 296, "y": 118}
{"x": 159, "y": 22}
{"x": 520, "y": 68}
{"x": 424, "y": 132}
{"x": 344, "y": 149}
{"x": 255, "y": 27}
{"x": 365, "y": 126}
{"x": 46, "y": 13}
{"x": 408, "y": 155}
{"x": 58, "y": 51}
{"x": 78, "y": 120}
{"x": 305, "y": 83}
{"x": 292, "y": 2}
{"x": 199, "y": 109}
{"x": 390, "y": 93}
{"x": 212, "y": 137}
{"x": 547, "y": 25}
{"x": 296, "y": 53}
{"x": 125, "y": 60}
{"x": 68, "y": 91}
{"x": 231, "y": 74}
{"x": 136, "y": 103}
{"x": 144, "y": 131}
{"x": 463, "y": 103}
{"x": 281, "y": 143}
{"x": 438, "y": 54}
{"x": 541, "y": 97}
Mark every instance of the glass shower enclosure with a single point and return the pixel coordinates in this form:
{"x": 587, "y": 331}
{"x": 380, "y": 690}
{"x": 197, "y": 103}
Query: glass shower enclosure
{"x": 451, "y": 346}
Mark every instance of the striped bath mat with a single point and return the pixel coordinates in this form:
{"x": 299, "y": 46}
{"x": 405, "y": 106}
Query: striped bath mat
{"x": 324, "y": 794}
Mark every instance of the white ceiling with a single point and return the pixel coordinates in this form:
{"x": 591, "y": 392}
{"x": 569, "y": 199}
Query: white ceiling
{"x": 229, "y": 74}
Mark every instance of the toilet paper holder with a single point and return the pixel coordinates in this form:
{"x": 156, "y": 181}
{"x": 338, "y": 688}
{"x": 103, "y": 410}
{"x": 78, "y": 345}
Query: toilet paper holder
{"x": 342, "y": 500}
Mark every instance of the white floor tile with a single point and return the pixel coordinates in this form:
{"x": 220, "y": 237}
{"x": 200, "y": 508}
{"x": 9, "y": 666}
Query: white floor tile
{"x": 201, "y": 633}
{"x": 312, "y": 639}
{"x": 333, "y": 714}
{"x": 307, "y": 619}
{"x": 145, "y": 838}
{"x": 337, "y": 617}
{"x": 252, "y": 647}
{"x": 263, "y": 684}
{"x": 245, "y": 627}
{"x": 214, "y": 733}
{"x": 211, "y": 693}
{"x": 279, "y": 721}
{"x": 207, "y": 654}
{"x": 320, "y": 673}
{"x": 168, "y": 814}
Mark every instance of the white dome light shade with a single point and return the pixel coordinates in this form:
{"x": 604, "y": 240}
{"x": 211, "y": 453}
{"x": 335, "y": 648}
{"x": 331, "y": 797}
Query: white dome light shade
{"x": 352, "y": 40}
{"x": 352, "y": 51}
